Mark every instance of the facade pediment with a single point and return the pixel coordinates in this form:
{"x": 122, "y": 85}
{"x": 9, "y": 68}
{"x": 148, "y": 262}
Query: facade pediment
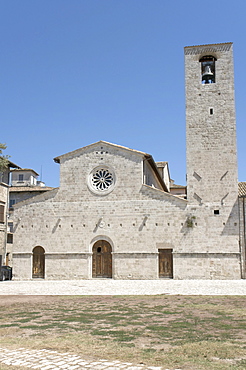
{"x": 97, "y": 145}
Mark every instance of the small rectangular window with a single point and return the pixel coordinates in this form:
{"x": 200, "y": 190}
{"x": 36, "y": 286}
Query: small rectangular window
{"x": 1, "y": 214}
{"x": 10, "y": 238}
{"x": 211, "y": 111}
{"x": 216, "y": 212}
{"x": 11, "y": 202}
{"x": 10, "y": 227}
{"x": 21, "y": 177}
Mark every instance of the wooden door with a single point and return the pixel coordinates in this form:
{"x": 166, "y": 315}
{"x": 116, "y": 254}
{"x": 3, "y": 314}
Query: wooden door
{"x": 165, "y": 263}
{"x": 102, "y": 259}
{"x": 38, "y": 263}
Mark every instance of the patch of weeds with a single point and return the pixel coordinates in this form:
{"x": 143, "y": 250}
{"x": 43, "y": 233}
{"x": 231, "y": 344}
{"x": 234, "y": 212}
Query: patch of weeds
{"x": 99, "y": 332}
{"x": 154, "y": 328}
{"x": 171, "y": 312}
{"x": 134, "y": 323}
{"x": 241, "y": 363}
{"x": 222, "y": 313}
{"x": 8, "y": 325}
{"x": 21, "y": 321}
{"x": 76, "y": 319}
{"x": 129, "y": 345}
{"x": 38, "y": 327}
{"x": 111, "y": 317}
{"x": 147, "y": 351}
{"x": 163, "y": 310}
{"x": 116, "y": 335}
{"x": 121, "y": 336}
{"x": 181, "y": 324}
{"x": 63, "y": 326}
{"x": 224, "y": 326}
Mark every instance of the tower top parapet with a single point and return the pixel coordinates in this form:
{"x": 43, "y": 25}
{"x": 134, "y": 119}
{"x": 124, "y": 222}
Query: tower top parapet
{"x": 200, "y": 49}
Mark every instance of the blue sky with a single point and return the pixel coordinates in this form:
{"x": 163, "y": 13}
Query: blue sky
{"x": 77, "y": 71}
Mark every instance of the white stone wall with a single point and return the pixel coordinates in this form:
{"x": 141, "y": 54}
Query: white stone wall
{"x": 29, "y": 178}
{"x": 134, "y": 218}
{"x": 136, "y": 223}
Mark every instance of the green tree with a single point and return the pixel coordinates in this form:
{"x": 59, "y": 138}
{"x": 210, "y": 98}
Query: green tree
{"x": 4, "y": 162}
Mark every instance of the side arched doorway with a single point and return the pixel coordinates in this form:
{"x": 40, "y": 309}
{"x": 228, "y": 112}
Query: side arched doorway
{"x": 102, "y": 259}
{"x": 38, "y": 262}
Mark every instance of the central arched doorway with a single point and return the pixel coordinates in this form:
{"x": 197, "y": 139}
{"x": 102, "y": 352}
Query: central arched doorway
{"x": 38, "y": 262}
{"x": 102, "y": 259}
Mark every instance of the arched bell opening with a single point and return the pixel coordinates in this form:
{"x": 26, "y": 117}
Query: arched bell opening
{"x": 38, "y": 262}
{"x": 102, "y": 259}
{"x": 208, "y": 69}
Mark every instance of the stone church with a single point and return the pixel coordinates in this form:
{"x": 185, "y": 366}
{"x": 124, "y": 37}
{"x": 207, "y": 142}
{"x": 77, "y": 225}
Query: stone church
{"x": 114, "y": 215}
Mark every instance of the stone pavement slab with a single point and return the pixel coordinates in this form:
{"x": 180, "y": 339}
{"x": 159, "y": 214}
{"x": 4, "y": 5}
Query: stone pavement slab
{"x": 123, "y": 287}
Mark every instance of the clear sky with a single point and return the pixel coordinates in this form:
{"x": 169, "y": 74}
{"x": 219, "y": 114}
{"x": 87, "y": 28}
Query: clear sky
{"x": 77, "y": 71}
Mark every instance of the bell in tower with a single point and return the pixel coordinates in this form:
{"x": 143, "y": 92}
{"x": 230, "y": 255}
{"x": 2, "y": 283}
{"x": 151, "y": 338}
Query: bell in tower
{"x": 208, "y": 69}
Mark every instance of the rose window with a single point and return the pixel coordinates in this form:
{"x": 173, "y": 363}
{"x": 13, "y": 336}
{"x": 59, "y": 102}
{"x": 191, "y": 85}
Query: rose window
{"x": 101, "y": 180}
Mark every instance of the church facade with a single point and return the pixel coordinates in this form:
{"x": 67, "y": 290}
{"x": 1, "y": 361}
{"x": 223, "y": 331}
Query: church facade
{"x": 114, "y": 215}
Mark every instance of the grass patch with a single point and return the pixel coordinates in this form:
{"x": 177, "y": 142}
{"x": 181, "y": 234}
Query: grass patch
{"x": 193, "y": 333}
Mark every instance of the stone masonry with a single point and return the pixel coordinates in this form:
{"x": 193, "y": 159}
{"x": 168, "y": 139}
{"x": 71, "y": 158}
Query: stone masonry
{"x": 113, "y": 214}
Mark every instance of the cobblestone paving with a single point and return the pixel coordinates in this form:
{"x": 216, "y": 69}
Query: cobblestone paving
{"x": 53, "y": 360}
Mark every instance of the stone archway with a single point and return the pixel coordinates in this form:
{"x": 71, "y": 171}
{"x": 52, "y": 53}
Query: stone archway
{"x": 102, "y": 259}
{"x": 38, "y": 262}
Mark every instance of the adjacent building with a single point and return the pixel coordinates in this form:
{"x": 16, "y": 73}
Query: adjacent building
{"x": 4, "y": 205}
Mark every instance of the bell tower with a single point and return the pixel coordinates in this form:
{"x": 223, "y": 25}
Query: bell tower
{"x": 212, "y": 241}
{"x": 210, "y": 126}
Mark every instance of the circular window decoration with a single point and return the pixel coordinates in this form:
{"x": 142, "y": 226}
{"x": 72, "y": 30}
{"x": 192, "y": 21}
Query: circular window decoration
{"x": 102, "y": 180}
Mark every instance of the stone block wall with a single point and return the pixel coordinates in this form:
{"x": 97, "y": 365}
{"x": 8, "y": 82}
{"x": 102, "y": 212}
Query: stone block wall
{"x": 211, "y": 128}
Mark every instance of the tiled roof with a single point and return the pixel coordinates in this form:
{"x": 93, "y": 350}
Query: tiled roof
{"x": 242, "y": 189}
{"x": 198, "y": 46}
{"x": 175, "y": 186}
{"x": 25, "y": 169}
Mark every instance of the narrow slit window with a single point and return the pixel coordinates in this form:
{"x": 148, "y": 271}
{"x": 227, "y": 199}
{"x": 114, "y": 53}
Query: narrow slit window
{"x": 211, "y": 111}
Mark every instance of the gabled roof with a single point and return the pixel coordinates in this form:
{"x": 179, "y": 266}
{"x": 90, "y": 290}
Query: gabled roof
{"x": 101, "y": 142}
{"x": 242, "y": 189}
